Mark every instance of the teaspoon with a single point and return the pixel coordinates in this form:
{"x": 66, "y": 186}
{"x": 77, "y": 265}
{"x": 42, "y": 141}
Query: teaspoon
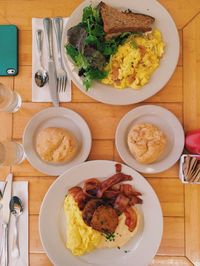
{"x": 41, "y": 76}
{"x": 16, "y": 209}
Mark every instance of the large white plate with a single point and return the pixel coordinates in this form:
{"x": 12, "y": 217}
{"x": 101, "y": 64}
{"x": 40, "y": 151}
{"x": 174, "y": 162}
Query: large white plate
{"x": 164, "y": 22}
{"x": 163, "y": 119}
{"x": 53, "y": 230}
{"x": 56, "y": 117}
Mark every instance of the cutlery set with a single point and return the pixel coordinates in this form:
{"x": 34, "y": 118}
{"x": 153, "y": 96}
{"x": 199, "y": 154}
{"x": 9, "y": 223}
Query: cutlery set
{"x": 9, "y": 205}
{"x": 57, "y": 78}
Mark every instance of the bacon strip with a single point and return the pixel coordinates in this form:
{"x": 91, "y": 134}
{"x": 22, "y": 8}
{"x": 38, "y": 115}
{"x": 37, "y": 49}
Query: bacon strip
{"x": 131, "y": 218}
{"x": 91, "y": 187}
{"x": 117, "y": 178}
{"x": 79, "y": 196}
{"x": 128, "y": 190}
{"x": 121, "y": 203}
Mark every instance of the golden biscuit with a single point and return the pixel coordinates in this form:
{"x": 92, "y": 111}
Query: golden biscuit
{"x": 56, "y": 145}
{"x": 146, "y": 142}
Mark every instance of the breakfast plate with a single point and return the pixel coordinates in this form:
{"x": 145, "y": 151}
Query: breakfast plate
{"x": 110, "y": 95}
{"x": 164, "y": 120}
{"x": 52, "y": 221}
{"x": 57, "y": 117}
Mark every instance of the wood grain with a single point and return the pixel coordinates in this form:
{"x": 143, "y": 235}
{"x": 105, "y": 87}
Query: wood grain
{"x": 108, "y": 116}
{"x": 169, "y": 261}
{"x": 192, "y": 220}
{"x": 171, "y": 195}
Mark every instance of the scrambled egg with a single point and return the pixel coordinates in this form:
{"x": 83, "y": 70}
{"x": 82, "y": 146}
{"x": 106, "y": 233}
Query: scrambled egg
{"x": 80, "y": 237}
{"x": 135, "y": 61}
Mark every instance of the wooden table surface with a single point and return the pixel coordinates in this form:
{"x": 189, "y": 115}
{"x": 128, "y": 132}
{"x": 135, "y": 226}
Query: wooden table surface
{"x": 180, "y": 204}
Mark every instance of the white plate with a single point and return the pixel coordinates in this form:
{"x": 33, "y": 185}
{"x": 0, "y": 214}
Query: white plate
{"x": 56, "y": 117}
{"x": 161, "y": 76}
{"x": 53, "y": 230}
{"x": 163, "y": 119}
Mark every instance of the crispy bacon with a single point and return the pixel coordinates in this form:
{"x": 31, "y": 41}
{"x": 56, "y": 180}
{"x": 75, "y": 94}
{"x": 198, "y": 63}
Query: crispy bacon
{"x": 121, "y": 203}
{"x": 118, "y": 168}
{"x": 110, "y": 194}
{"x": 135, "y": 200}
{"x": 91, "y": 187}
{"x": 131, "y": 218}
{"x": 128, "y": 190}
{"x": 79, "y": 196}
{"x": 117, "y": 178}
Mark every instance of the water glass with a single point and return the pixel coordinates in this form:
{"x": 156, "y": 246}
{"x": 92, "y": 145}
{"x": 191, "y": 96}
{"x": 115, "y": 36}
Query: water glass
{"x": 11, "y": 153}
{"x": 10, "y": 101}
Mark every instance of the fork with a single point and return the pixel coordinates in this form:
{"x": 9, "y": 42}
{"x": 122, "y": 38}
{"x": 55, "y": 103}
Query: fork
{"x": 61, "y": 73}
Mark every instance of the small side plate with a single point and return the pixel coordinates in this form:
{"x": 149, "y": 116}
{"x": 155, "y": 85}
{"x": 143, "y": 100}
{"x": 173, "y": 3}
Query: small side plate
{"x": 56, "y": 117}
{"x": 163, "y": 119}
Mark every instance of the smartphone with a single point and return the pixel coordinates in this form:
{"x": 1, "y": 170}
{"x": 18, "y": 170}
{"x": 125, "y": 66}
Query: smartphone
{"x": 8, "y": 50}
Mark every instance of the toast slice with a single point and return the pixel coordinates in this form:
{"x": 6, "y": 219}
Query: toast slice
{"x": 116, "y": 22}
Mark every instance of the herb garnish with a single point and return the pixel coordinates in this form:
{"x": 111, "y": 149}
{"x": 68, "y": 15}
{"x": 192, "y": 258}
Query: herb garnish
{"x": 110, "y": 236}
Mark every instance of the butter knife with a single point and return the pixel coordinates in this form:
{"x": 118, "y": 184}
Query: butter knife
{"x": 5, "y": 219}
{"x": 51, "y": 64}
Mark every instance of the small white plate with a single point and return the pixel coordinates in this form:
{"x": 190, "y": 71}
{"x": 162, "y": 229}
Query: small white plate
{"x": 52, "y": 221}
{"x": 163, "y": 21}
{"x": 163, "y": 119}
{"x": 56, "y": 117}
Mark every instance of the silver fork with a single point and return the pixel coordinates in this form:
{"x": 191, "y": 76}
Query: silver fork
{"x": 61, "y": 73}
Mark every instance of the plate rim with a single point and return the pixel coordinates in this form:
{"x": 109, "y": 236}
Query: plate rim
{"x": 128, "y": 101}
{"x": 117, "y": 136}
{"x": 61, "y": 177}
{"x": 57, "y": 109}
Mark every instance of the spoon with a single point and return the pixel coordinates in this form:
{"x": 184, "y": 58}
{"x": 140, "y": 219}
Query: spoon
{"x": 16, "y": 209}
{"x": 41, "y": 76}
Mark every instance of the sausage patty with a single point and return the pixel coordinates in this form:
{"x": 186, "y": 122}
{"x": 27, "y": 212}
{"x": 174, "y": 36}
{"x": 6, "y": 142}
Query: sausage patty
{"x": 104, "y": 219}
{"x": 89, "y": 210}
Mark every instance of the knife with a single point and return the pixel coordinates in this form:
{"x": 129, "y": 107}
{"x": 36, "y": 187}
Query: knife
{"x": 5, "y": 219}
{"x": 51, "y": 64}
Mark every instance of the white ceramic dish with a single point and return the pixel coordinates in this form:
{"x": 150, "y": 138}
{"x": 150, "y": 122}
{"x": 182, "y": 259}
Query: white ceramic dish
{"x": 56, "y": 117}
{"x": 53, "y": 230}
{"x": 163, "y": 119}
{"x": 164, "y": 22}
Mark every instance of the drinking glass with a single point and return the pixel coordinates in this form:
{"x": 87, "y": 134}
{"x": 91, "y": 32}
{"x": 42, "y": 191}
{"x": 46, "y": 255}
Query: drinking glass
{"x": 11, "y": 153}
{"x": 10, "y": 101}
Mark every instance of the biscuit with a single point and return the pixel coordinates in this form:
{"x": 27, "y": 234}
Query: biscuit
{"x": 56, "y": 145}
{"x": 146, "y": 142}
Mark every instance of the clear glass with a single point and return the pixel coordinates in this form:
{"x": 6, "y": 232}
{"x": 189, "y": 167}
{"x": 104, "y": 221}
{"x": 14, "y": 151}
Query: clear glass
{"x": 10, "y": 101}
{"x": 11, "y": 153}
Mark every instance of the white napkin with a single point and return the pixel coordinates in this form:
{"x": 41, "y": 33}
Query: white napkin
{"x": 20, "y": 189}
{"x": 43, "y": 94}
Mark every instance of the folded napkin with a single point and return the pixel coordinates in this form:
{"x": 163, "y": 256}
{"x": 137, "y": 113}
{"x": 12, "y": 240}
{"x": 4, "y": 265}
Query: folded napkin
{"x": 20, "y": 189}
{"x": 43, "y": 94}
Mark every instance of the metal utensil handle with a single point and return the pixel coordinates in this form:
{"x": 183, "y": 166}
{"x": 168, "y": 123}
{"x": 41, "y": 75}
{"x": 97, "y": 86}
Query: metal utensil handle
{"x": 48, "y": 36}
{"x": 4, "y": 251}
{"x": 15, "y": 245}
{"x": 39, "y": 38}
{"x": 58, "y": 26}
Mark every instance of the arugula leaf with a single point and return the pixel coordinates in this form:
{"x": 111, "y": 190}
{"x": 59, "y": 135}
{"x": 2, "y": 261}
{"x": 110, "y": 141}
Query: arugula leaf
{"x": 71, "y": 51}
{"x": 93, "y": 74}
{"x": 77, "y": 57}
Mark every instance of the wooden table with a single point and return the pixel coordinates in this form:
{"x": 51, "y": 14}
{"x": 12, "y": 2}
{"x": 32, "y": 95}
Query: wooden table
{"x": 180, "y": 204}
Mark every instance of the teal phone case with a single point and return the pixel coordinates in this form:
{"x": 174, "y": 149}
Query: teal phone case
{"x": 8, "y": 50}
